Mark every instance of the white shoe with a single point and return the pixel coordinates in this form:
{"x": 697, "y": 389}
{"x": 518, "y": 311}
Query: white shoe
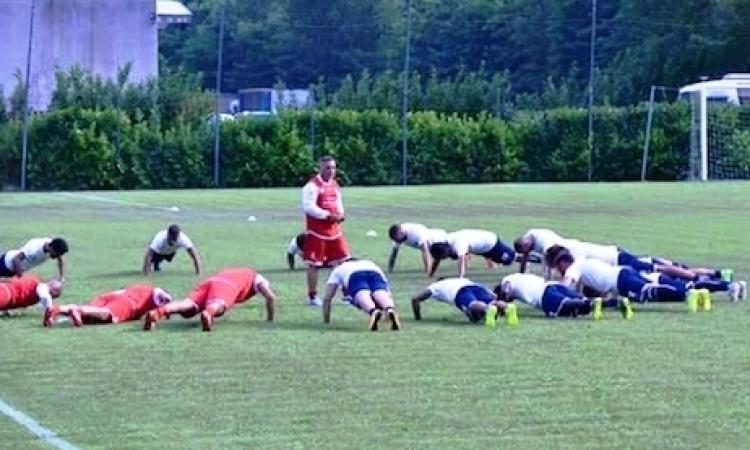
{"x": 743, "y": 289}
{"x": 314, "y": 302}
{"x": 735, "y": 291}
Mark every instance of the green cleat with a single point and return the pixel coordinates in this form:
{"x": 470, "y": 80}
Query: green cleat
{"x": 727, "y": 275}
{"x": 626, "y": 309}
{"x": 490, "y": 316}
{"x": 704, "y": 299}
{"x": 511, "y": 315}
{"x": 598, "y": 315}
{"x": 692, "y": 300}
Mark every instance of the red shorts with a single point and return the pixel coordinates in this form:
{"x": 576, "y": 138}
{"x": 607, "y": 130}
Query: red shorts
{"x": 210, "y": 290}
{"x": 118, "y": 305}
{"x": 6, "y": 295}
{"x": 318, "y": 252}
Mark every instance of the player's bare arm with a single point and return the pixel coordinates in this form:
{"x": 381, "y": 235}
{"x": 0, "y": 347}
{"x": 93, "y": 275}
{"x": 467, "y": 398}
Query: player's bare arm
{"x": 416, "y": 303}
{"x": 392, "y": 259}
{"x": 426, "y": 257}
{"x": 330, "y": 292}
{"x": 16, "y": 263}
{"x": 435, "y": 264}
{"x": 147, "y": 262}
{"x": 61, "y": 267}
{"x": 196, "y": 260}
{"x": 270, "y": 297}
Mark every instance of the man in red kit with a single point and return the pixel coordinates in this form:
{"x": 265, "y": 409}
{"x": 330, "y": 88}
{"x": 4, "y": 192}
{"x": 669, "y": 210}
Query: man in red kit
{"x": 27, "y": 290}
{"x": 216, "y": 295}
{"x": 324, "y": 212}
{"x": 130, "y": 303}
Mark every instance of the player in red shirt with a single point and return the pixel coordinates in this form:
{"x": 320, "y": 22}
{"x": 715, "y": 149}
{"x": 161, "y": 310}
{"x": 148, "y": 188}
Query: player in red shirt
{"x": 27, "y": 290}
{"x": 324, "y": 211}
{"x": 216, "y": 295}
{"x": 130, "y": 303}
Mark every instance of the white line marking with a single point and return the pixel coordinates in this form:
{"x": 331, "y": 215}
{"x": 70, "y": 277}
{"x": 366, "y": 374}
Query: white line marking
{"x": 32, "y": 425}
{"x": 119, "y": 202}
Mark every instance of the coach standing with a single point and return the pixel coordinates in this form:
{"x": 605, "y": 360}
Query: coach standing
{"x": 324, "y": 212}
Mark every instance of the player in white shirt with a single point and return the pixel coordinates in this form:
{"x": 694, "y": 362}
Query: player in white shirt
{"x": 474, "y": 300}
{"x": 33, "y": 253}
{"x": 462, "y": 243}
{"x": 367, "y": 286}
{"x": 163, "y": 247}
{"x": 416, "y": 236}
{"x": 294, "y": 248}
{"x": 624, "y": 281}
{"x": 555, "y": 299}
{"x": 536, "y": 241}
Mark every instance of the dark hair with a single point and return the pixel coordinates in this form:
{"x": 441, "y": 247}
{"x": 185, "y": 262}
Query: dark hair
{"x": 498, "y": 290}
{"x": 563, "y": 257}
{"x": 300, "y": 241}
{"x": 325, "y": 159}
{"x": 173, "y": 230}
{"x": 552, "y": 252}
{"x": 395, "y": 228}
{"x": 518, "y": 244}
{"x": 59, "y": 246}
{"x": 440, "y": 250}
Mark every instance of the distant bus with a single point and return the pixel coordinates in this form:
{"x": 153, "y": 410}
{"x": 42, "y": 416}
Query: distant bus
{"x": 268, "y": 101}
{"x": 733, "y": 88}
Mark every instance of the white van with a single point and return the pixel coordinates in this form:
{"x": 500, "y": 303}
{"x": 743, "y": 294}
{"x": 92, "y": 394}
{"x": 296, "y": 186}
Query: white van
{"x": 733, "y": 88}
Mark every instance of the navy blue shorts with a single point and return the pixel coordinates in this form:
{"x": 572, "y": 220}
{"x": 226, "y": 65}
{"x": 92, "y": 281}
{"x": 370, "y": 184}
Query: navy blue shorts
{"x": 501, "y": 253}
{"x": 472, "y": 293}
{"x": 4, "y": 271}
{"x": 625, "y": 258}
{"x": 630, "y": 283}
{"x": 559, "y": 300}
{"x": 158, "y": 257}
{"x": 366, "y": 280}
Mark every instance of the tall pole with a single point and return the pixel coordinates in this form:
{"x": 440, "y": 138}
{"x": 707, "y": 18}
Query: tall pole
{"x": 591, "y": 89}
{"x": 217, "y": 113}
{"x": 25, "y": 132}
{"x": 405, "y": 99}
{"x": 649, "y": 121}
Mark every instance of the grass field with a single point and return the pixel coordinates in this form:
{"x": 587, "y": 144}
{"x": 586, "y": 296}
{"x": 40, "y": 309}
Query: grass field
{"x": 668, "y": 379}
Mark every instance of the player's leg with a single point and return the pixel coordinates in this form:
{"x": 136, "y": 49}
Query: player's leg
{"x": 561, "y": 301}
{"x": 314, "y": 256}
{"x": 186, "y": 308}
{"x": 221, "y": 298}
{"x": 384, "y": 300}
{"x": 364, "y": 301}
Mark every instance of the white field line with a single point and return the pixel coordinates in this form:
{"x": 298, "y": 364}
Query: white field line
{"x": 100, "y": 198}
{"x": 32, "y": 425}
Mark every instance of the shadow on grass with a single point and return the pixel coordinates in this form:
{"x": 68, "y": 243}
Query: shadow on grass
{"x": 179, "y": 325}
{"x": 118, "y": 274}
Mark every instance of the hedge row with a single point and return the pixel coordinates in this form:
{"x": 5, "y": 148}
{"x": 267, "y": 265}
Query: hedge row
{"x": 76, "y": 148}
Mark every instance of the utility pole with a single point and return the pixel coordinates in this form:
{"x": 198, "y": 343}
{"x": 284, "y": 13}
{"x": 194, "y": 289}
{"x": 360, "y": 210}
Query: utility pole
{"x": 217, "y": 113}
{"x": 25, "y": 132}
{"x": 591, "y": 89}
{"x": 405, "y": 99}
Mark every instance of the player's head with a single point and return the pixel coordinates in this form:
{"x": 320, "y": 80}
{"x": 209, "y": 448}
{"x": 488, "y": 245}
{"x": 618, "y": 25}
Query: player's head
{"x": 396, "y": 233}
{"x": 551, "y": 254}
{"x": 57, "y": 247}
{"x": 300, "y": 241}
{"x": 442, "y": 250}
{"x": 327, "y": 167}
{"x": 562, "y": 261}
{"x": 55, "y": 288}
{"x": 524, "y": 244}
{"x": 173, "y": 233}
{"x": 499, "y": 293}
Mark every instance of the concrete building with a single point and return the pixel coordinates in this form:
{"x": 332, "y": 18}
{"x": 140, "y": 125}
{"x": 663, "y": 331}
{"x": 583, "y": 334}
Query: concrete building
{"x": 98, "y": 35}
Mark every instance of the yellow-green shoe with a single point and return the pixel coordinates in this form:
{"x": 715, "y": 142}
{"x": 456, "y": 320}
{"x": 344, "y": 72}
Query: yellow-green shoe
{"x": 511, "y": 315}
{"x": 490, "y": 316}
{"x": 626, "y": 309}
{"x": 598, "y": 315}
{"x": 704, "y": 299}
{"x": 692, "y": 300}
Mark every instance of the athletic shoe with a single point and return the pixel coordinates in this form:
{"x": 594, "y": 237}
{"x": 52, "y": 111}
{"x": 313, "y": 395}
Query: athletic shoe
{"x": 626, "y": 309}
{"x": 704, "y": 299}
{"x": 395, "y": 322}
{"x": 735, "y": 291}
{"x": 692, "y": 300}
{"x": 598, "y": 315}
{"x": 75, "y": 317}
{"x": 511, "y": 315}
{"x": 207, "y": 320}
{"x": 743, "y": 290}
{"x": 50, "y": 316}
{"x": 490, "y": 316}
{"x": 375, "y": 316}
{"x": 727, "y": 275}
{"x": 314, "y": 302}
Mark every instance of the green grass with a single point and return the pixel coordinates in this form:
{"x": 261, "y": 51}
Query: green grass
{"x": 665, "y": 380}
